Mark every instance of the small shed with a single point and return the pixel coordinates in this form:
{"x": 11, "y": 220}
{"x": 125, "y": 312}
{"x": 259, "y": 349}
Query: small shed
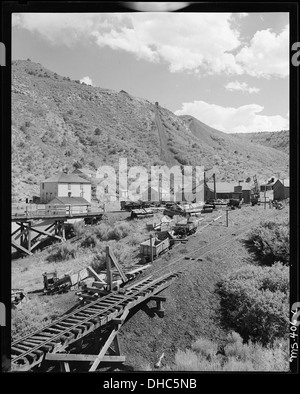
{"x": 273, "y": 189}
{"x": 74, "y": 204}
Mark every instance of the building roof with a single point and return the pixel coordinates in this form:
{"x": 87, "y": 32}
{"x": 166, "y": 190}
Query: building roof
{"x": 271, "y": 181}
{"x": 222, "y": 187}
{"x": 84, "y": 171}
{"x": 245, "y": 185}
{"x": 69, "y": 201}
{"x": 62, "y": 177}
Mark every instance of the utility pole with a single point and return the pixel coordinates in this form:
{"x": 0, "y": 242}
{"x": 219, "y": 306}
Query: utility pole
{"x": 214, "y": 176}
{"x": 151, "y": 248}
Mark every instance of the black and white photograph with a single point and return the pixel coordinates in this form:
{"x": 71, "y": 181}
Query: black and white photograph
{"x": 149, "y": 208}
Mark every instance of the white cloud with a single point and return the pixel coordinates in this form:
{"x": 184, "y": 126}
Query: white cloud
{"x": 244, "y": 119}
{"x": 202, "y": 43}
{"x": 87, "y": 80}
{"x": 242, "y": 86}
{"x": 180, "y": 40}
{"x": 267, "y": 54}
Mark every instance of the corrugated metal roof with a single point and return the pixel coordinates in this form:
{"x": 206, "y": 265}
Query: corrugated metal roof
{"x": 69, "y": 201}
{"x": 62, "y": 177}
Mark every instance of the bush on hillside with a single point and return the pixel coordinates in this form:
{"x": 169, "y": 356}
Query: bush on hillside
{"x": 271, "y": 242}
{"x": 121, "y": 251}
{"x": 90, "y": 241}
{"x": 236, "y": 356}
{"x": 63, "y": 252}
{"x": 79, "y": 228}
{"x": 106, "y": 232}
{"x": 254, "y": 302}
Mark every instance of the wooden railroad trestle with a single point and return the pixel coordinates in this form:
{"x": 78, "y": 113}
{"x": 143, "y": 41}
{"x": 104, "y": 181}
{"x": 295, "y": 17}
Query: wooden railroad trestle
{"x": 55, "y": 341}
{"x": 28, "y": 242}
{"x": 110, "y": 352}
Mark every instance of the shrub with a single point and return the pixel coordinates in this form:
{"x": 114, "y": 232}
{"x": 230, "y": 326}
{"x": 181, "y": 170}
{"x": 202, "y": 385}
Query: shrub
{"x": 97, "y": 131}
{"x": 205, "y": 348}
{"x": 79, "y": 228}
{"x": 64, "y": 251}
{"x": 237, "y": 356}
{"x": 105, "y": 232}
{"x": 121, "y": 251}
{"x": 89, "y": 241}
{"x": 271, "y": 241}
{"x": 254, "y": 302}
{"x": 98, "y": 262}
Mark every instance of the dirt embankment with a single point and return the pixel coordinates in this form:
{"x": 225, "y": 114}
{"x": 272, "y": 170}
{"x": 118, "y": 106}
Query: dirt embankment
{"x": 191, "y": 308}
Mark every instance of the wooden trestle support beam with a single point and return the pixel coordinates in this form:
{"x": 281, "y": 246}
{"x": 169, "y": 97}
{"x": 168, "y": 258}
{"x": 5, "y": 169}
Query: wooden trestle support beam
{"x": 28, "y": 243}
{"x": 110, "y": 352}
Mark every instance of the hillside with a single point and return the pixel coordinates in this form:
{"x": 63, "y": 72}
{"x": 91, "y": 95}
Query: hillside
{"x": 279, "y": 140}
{"x": 59, "y": 123}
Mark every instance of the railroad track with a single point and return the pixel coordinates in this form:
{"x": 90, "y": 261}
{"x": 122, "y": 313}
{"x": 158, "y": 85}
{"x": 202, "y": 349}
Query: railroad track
{"x": 30, "y": 350}
{"x": 182, "y": 262}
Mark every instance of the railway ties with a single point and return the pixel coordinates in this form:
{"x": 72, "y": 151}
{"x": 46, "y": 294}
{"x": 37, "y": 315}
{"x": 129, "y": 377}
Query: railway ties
{"x": 30, "y": 350}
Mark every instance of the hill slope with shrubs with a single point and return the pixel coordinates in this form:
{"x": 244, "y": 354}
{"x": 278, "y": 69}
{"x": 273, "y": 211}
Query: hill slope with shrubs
{"x": 58, "y": 123}
{"x": 279, "y": 139}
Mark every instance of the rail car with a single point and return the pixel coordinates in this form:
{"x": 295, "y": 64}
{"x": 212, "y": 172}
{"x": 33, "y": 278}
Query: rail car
{"x": 185, "y": 229}
{"x": 159, "y": 246}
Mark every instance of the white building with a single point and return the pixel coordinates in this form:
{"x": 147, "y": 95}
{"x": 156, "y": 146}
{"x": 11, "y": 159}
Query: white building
{"x": 65, "y": 185}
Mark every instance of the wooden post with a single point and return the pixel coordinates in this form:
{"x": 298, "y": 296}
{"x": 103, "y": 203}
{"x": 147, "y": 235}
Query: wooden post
{"x": 64, "y": 366}
{"x": 108, "y": 269}
{"x": 22, "y": 235}
{"x": 29, "y": 236}
{"x": 151, "y": 249}
{"x": 226, "y": 217}
{"x": 63, "y": 232}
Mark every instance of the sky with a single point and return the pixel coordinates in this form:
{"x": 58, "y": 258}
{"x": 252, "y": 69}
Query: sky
{"x": 229, "y": 70}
